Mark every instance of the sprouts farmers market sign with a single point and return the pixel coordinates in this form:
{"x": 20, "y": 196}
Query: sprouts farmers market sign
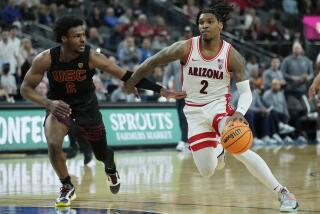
{"x": 141, "y": 125}
{"x": 21, "y": 129}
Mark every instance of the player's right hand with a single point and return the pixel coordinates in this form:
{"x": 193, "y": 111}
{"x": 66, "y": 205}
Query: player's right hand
{"x": 173, "y": 94}
{"x": 59, "y": 108}
{"x": 237, "y": 116}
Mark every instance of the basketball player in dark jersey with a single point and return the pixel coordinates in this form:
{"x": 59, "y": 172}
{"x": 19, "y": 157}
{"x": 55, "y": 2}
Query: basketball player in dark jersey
{"x": 71, "y": 99}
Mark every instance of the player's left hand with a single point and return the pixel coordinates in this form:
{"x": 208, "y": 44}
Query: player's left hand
{"x": 129, "y": 87}
{"x": 172, "y": 94}
{"x": 237, "y": 116}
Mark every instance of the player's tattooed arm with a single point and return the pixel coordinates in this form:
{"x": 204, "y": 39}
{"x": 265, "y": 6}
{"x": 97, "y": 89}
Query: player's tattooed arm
{"x": 176, "y": 51}
{"x": 237, "y": 65}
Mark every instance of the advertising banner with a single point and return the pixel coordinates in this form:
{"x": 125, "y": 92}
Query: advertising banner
{"x": 22, "y": 129}
{"x": 131, "y": 126}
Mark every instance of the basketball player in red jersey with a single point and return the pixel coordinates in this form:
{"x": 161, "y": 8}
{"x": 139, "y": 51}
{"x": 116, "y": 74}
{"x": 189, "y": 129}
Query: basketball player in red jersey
{"x": 71, "y": 99}
{"x": 207, "y": 63}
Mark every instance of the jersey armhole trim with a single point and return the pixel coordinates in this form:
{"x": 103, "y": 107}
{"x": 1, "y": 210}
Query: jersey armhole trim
{"x": 227, "y": 59}
{"x": 53, "y": 56}
{"x": 189, "y": 54}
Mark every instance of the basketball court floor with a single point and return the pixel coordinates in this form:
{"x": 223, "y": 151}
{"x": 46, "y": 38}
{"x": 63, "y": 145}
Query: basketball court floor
{"x": 161, "y": 181}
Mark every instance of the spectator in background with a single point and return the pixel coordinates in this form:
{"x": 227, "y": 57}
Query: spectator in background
{"x": 10, "y": 12}
{"x": 274, "y": 98}
{"x": 274, "y": 30}
{"x": 190, "y": 9}
{"x": 273, "y": 72}
{"x": 45, "y": 16}
{"x": 42, "y": 88}
{"x": 255, "y": 76}
{"x": 290, "y": 6}
{"x": 246, "y": 20}
{"x": 28, "y": 12}
{"x": 119, "y": 95}
{"x": 159, "y": 42}
{"x": 128, "y": 54}
{"x": 252, "y": 64}
{"x": 235, "y": 18}
{"x": 94, "y": 18}
{"x": 145, "y": 50}
{"x": 94, "y": 38}
{"x": 72, "y": 3}
{"x": 187, "y": 33}
{"x": 16, "y": 43}
{"x": 109, "y": 82}
{"x": 110, "y": 19}
{"x": 298, "y": 72}
{"x": 136, "y": 8}
{"x": 118, "y": 9}
{"x": 8, "y": 81}
{"x": 254, "y": 32}
{"x": 126, "y": 18}
{"x": 5, "y": 96}
{"x": 142, "y": 28}
{"x": 52, "y": 6}
{"x": 100, "y": 90}
{"x": 172, "y": 71}
{"x": 8, "y": 52}
{"x": 160, "y": 27}
{"x": 260, "y": 119}
{"x": 27, "y": 53}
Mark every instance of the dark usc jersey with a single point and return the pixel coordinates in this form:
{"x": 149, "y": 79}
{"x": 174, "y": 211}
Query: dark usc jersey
{"x": 72, "y": 81}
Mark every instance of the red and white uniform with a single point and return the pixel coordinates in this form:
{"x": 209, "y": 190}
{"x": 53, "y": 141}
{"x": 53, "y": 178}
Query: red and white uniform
{"x": 207, "y": 84}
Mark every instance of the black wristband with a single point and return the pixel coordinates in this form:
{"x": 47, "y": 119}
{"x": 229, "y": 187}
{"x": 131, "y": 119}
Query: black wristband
{"x": 144, "y": 83}
{"x": 127, "y": 76}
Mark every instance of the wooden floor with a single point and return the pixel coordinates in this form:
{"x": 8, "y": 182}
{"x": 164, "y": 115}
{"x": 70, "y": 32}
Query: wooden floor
{"x": 165, "y": 181}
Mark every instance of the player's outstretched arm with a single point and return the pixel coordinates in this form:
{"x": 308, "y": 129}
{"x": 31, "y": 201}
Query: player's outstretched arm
{"x": 33, "y": 77}
{"x": 178, "y": 50}
{"x": 315, "y": 87}
{"x": 98, "y": 60}
{"x": 237, "y": 67}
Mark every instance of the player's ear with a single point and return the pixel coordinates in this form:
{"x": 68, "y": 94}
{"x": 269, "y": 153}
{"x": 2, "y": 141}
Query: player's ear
{"x": 220, "y": 26}
{"x": 63, "y": 38}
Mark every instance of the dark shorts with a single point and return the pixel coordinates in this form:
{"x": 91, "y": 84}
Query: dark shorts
{"x": 89, "y": 123}
{"x": 88, "y": 117}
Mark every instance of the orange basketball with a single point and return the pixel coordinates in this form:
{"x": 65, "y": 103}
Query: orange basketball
{"x": 236, "y": 137}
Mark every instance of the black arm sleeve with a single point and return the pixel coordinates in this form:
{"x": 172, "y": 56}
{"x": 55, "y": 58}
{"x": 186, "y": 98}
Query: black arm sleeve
{"x": 144, "y": 83}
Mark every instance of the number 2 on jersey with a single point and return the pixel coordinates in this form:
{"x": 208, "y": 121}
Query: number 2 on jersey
{"x": 205, "y": 85}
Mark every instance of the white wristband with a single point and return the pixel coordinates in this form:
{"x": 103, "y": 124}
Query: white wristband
{"x": 245, "y": 97}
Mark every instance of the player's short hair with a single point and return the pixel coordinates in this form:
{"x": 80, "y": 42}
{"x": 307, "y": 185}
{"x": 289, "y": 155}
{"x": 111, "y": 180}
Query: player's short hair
{"x": 63, "y": 25}
{"x": 220, "y": 9}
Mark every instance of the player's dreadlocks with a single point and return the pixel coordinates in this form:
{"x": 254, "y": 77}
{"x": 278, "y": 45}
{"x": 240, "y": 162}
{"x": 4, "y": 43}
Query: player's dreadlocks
{"x": 63, "y": 25}
{"x": 220, "y": 8}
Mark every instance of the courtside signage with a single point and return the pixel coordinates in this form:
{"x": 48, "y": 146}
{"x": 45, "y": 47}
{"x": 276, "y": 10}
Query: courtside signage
{"x": 138, "y": 126}
{"x": 22, "y": 129}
